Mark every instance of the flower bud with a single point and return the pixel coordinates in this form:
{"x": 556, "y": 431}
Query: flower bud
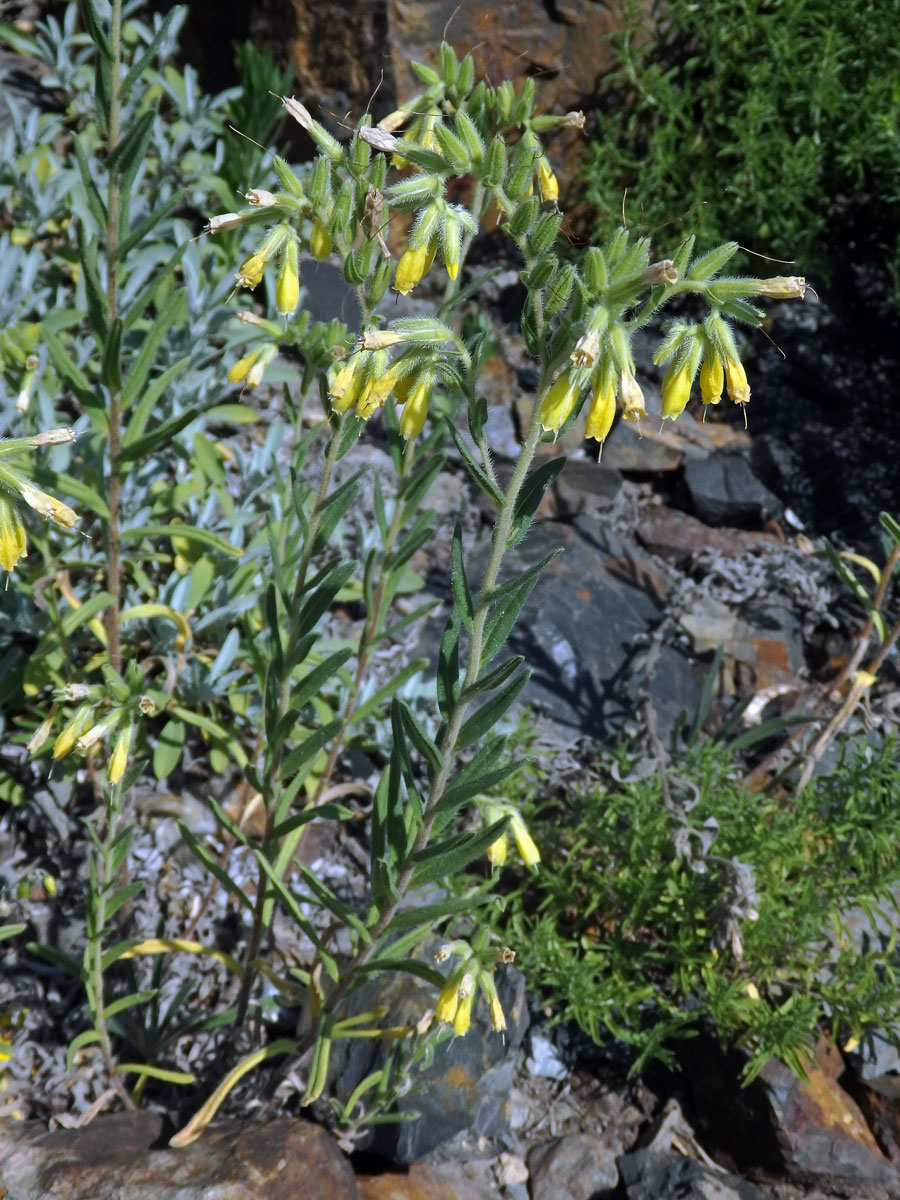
{"x": 413, "y": 265}
{"x": 287, "y": 285}
{"x": 257, "y": 370}
{"x": 548, "y": 185}
{"x": 48, "y": 506}
{"x": 415, "y": 407}
{"x": 319, "y": 240}
{"x": 53, "y": 437}
{"x": 119, "y": 758}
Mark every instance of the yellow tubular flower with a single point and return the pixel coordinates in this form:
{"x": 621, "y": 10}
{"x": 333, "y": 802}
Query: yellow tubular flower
{"x": 257, "y": 370}
{"x": 250, "y": 273}
{"x": 410, "y": 269}
{"x": 498, "y": 1017}
{"x": 633, "y": 407}
{"x": 287, "y": 285}
{"x": 463, "y": 1018}
{"x": 12, "y": 534}
{"x": 736, "y": 381}
{"x": 238, "y": 372}
{"x": 676, "y": 391}
{"x": 415, "y": 406}
{"x": 378, "y": 389}
{"x": 319, "y": 240}
{"x": 448, "y": 1001}
{"x": 525, "y": 845}
{"x": 497, "y": 851}
{"x": 66, "y": 739}
{"x": 557, "y": 405}
{"x": 601, "y": 413}
{"x": 119, "y": 758}
{"x": 548, "y": 184}
{"x": 48, "y": 506}
{"x": 712, "y": 379}
{"x": 346, "y": 384}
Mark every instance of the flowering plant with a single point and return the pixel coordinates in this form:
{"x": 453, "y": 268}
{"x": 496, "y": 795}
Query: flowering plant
{"x": 439, "y": 166}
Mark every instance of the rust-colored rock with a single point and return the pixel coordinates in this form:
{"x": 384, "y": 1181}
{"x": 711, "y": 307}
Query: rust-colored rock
{"x": 677, "y": 536}
{"x": 444, "y": 1181}
{"x": 116, "y": 1158}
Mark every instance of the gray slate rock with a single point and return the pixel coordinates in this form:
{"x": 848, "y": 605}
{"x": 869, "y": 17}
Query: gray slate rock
{"x": 578, "y": 1167}
{"x": 724, "y": 491}
{"x": 650, "y": 1176}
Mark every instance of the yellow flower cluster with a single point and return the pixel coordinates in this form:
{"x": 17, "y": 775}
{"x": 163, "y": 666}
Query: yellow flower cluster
{"x": 495, "y": 810}
{"x": 15, "y": 485}
{"x": 454, "y": 1004}
{"x": 87, "y": 728}
{"x": 366, "y": 380}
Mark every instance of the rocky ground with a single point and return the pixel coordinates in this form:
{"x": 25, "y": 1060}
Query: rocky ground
{"x": 679, "y": 542}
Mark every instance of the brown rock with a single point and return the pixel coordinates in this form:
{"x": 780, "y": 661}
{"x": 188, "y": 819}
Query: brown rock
{"x": 677, "y": 536}
{"x": 444, "y": 1181}
{"x": 819, "y": 1127}
{"x": 116, "y": 1158}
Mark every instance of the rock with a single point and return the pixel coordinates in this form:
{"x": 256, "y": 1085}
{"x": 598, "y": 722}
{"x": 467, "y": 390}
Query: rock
{"x": 779, "y": 1122}
{"x": 123, "y": 1157}
{"x": 438, "y": 1181}
{"x": 586, "y": 487}
{"x": 879, "y": 1102}
{"x": 462, "y": 1097}
{"x": 650, "y": 1176}
{"x": 820, "y": 1129}
{"x": 677, "y": 536}
{"x": 544, "y": 1059}
{"x": 577, "y": 1167}
{"x": 724, "y": 491}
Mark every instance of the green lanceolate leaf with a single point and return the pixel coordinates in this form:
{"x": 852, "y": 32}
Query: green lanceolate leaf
{"x": 427, "y": 915}
{"x": 448, "y": 666}
{"x": 150, "y": 344}
{"x": 490, "y": 713}
{"x": 334, "y": 508}
{"x": 323, "y": 597}
{"x": 141, "y": 63}
{"x": 445, "y": 859}
{"x": 169, "y": 748}
{"x": 533, "y": 490}
{"x": 309, "y": 748}
{"x": 131, "y": 149}
{"x": 462, "y": 596}
{"x": 507, "y": 602}
{"x": 94, "y": 199}
{"x": 111, "y": 368}
{"x": 420, "y": 739}
{"x": 461, "y": 791}
{"x": 492, "y": 679}
{"x": 417, "y": 486}
{"x": 212, "y": 865}
{"x": 477, "y": 472}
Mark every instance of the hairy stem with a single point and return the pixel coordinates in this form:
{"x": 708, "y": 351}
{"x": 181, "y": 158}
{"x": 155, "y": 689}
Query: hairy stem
{"x": 113, "y": 548}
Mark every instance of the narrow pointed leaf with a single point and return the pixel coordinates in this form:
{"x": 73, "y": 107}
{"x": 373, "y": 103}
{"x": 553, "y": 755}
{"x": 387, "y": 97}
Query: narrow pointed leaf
{"x": 490, "y": 713}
